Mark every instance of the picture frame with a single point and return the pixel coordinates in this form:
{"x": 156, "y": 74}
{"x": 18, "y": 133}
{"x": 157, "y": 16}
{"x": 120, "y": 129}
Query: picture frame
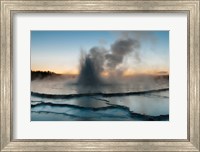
{"x": 9, "y": 8}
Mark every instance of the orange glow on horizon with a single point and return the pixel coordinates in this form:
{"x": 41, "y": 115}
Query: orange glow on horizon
{"x": 105, "y": 74}
{"x": 71, "y": 72}
{"x": 126, "y": 73}
{"x": 59, "y": 71}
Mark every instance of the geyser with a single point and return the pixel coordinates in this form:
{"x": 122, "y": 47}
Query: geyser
{"x": 89, "y": 75}
{"x": 99, "y": 59}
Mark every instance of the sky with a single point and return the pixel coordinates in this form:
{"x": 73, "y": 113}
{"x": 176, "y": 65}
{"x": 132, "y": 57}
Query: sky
{"x": 60, "y": 51}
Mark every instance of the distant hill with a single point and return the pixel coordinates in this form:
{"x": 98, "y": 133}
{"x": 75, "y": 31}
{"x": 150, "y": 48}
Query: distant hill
{"x": 43, "y": 74}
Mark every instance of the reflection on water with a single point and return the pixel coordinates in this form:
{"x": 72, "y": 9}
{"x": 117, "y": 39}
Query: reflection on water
{"x": 148, "y": 106}
{"x": 70, "y": 86}
{"x": 143, "y": 104}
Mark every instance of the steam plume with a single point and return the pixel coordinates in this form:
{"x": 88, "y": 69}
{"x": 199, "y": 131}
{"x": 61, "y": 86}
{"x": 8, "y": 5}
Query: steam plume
{"x": 119, "y": 50}
{"x": 99, "y": 59}
{"x": 91, "y": 67}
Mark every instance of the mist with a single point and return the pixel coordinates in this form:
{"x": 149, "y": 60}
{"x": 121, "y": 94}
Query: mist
{"x": 99, "y": 59}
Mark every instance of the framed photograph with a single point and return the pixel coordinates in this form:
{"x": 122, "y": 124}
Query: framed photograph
{"x": 100, "y": 75}
{"x": 109, "y": 82}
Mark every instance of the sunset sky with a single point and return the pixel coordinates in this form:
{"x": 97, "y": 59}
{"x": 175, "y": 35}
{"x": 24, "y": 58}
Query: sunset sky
{"x": 59, "y": 51}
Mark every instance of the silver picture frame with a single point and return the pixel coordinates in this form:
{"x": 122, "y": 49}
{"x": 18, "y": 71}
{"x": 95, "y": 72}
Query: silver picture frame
{"x": 11, "y": 7}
